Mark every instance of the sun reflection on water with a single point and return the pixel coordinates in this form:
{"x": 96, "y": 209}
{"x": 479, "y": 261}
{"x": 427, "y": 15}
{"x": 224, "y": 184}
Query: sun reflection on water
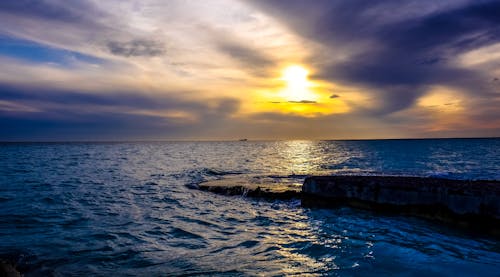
{"x": 300, "y": 156}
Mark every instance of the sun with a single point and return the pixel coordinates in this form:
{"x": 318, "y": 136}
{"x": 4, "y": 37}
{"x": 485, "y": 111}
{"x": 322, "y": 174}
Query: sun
{"x": 295, "y": 76}
{"x": 297, "y": 84}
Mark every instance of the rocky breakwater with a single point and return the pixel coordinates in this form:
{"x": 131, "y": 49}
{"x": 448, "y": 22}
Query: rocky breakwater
{"x": 473, "y": 204}
{"x": 470, "y": 204}
{"x": 271, "y": 187}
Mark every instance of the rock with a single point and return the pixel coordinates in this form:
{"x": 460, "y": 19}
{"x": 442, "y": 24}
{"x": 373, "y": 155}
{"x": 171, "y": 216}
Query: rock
{"x": 456, "y": 201}
{"x": 255, "y": 186}
{"x": 8, "y": 270}
{"x": 470, "y": 204}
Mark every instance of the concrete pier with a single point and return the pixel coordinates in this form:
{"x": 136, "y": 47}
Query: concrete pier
{"x": 472, "y": 204}
{"x": 458, "y": 196}
{"x": 469, "y": 203}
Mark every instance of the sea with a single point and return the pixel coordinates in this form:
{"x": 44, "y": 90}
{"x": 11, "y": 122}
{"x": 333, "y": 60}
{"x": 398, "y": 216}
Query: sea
{"x": 129, "y": 209}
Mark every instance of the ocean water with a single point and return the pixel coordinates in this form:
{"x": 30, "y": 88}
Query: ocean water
{"x": 126, "y": 209}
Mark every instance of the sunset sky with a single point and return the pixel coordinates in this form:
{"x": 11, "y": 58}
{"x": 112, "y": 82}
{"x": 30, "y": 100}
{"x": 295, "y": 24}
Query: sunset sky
{"x": 229, "y": 69}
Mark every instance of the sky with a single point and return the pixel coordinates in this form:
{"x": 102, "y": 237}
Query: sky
{"x": 256, "y": 69}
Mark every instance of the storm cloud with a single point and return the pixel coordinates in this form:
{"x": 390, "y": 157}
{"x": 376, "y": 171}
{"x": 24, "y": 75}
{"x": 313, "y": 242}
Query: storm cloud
{"x": 137, "y": 48}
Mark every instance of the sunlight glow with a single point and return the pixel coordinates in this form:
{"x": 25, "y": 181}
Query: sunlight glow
{"x": 293, "y": 93}
{"x": 295, "y": 76}
{"x": 297, "y": 88}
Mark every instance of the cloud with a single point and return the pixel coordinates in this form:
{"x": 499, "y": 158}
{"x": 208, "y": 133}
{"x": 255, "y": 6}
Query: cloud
{"x": 395, "y": 55}
{"x": 55, "y": 10}
{"x": 137, "y": 48}
{"x": 295, "y": 102}
{"x": 245, "y": 55}
{"x": 77, "y": 114}
{"x": 7, "y": 106}
{"x": 303, "y": 102}
{"x": 85, "y": 64}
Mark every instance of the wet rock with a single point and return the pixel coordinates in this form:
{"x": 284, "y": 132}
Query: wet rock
{"x": 255, "y": 186}
{"x": 455, "y": 201}
{"x": 470, "y": 204}
{"x": 7, "y": 269}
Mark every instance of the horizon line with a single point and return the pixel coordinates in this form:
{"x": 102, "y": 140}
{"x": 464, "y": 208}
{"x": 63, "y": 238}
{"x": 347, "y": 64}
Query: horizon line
{"x": 233, "y": 140}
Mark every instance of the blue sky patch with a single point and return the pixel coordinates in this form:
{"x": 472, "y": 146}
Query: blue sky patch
{"x": 38, "y": 53}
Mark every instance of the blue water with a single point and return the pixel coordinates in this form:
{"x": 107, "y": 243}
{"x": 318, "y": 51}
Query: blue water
{"x": 115, "y": 209}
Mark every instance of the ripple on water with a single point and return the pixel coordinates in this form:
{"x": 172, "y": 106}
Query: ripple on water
{"x": 181, "y": 233}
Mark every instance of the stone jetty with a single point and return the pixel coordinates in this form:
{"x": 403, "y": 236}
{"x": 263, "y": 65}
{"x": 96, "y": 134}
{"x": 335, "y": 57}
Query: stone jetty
{"x": 470, "y": 203}
{"x": 270, "y": 187}
{"x": 474, "y": 204}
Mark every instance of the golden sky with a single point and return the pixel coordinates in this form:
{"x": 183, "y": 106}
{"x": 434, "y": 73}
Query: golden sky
{"x": 226, "y": 69}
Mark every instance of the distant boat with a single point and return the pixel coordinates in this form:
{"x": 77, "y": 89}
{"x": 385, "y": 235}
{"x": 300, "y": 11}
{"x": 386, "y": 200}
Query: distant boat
{"x": 243, "y": 139}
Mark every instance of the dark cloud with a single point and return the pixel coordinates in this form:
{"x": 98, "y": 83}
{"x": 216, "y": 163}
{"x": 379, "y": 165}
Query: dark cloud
{"x": 249, "y": 58}
{"x": 334, "y": 96}
{"x": 395, "y": 51}
{"x": 303, "y": 102}
{"x": 137, "y": 48}
{"x": 245, "y": 55}
{"x": 79, "y": 98}
{"x": 227, "y": 106}
{"x": 74, "y": 115}
{"x": 295, "y": 102}
{"x": 55, "y": 10}
{"x": 77, "y": 126}
{"x": 431, "y": 61}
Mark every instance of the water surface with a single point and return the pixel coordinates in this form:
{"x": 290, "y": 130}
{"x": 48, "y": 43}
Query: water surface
{"x": 124, "y": 209}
